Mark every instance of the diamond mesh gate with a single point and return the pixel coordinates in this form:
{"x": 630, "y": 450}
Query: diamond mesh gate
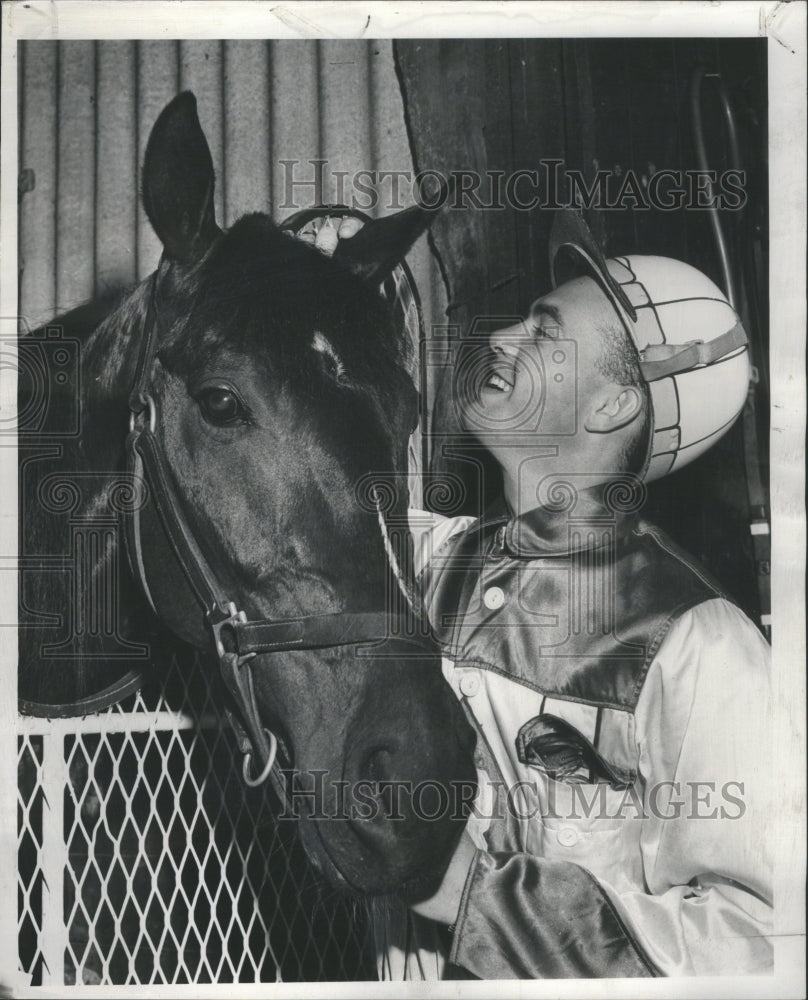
{"x": 144, "y": 859}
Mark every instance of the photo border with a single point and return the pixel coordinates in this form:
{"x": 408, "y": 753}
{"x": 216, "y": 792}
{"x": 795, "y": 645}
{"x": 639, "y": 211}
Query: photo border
{"x": 783, "y": 24}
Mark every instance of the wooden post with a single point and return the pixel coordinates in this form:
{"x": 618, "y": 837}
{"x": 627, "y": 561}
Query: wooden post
{"x": 54, "y": 859}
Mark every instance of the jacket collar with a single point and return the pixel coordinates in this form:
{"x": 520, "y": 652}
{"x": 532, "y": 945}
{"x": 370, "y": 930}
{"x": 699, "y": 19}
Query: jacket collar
{"x": 580, "y": 522}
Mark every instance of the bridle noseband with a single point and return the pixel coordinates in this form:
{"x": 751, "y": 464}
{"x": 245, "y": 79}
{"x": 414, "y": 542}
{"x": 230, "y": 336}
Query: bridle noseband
{"x": 237, "y": 639}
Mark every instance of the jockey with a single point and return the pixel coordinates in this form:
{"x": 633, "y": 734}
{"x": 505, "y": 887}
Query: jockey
{"x": 621, "y": 699}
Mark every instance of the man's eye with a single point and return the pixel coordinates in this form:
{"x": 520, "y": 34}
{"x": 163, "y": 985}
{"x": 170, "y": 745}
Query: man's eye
{"x": 221, "y": 406}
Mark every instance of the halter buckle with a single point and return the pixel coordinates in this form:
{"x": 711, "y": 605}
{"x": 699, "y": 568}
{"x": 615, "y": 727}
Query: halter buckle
{"x": 233, "y": 617}
{"x": 138, "y": 406}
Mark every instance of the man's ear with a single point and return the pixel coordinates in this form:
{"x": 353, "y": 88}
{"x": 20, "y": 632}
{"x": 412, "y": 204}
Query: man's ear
{"x": 381, "y": 244}
{"x": 613, "y": 407}
{"x": 178, "y": 182}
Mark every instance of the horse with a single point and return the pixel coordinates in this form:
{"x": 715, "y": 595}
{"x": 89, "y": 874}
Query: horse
{"x": 231, "y": 412}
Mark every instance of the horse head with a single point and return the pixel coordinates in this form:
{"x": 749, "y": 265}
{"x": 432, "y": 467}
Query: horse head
{"x": 277, "y": 390}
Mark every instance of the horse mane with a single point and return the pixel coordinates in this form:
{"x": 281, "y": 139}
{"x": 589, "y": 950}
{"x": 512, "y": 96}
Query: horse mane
{"x": 110, "y": 351}
{"x": 107, "y": 330}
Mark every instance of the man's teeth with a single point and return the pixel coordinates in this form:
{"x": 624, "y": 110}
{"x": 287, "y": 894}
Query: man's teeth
{"x": 497, "y": 382}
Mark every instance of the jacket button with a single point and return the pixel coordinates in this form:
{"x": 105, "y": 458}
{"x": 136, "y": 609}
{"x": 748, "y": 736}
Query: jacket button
{"x": 470, "y": 684}
{"x": 567, "y": 837}
{"x": 494, "y": 598}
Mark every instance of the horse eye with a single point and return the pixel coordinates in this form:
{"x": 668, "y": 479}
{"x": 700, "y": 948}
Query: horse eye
{"x": 221, "y": 406}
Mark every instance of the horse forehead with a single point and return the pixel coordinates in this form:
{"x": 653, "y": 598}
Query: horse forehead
{"x": 255, "y": 240}
{"x": 268, "y": 295}
{"x": 258, "y": 354}
{"x": 320, "y": 343}
{"x": 275, "y": 284}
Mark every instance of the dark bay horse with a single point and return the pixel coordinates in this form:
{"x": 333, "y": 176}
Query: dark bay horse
{"x": 261, "y": 383}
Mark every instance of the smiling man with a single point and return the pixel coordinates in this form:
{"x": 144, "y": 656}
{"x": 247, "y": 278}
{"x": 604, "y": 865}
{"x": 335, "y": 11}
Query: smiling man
{"x": 621, "y": 699}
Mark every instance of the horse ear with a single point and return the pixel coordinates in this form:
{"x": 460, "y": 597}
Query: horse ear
{"x": 178, "y": 182}
{"x": 376, "y": 249}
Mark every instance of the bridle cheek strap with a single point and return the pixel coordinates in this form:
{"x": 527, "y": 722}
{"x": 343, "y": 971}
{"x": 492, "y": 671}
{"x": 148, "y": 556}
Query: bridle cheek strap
{"x": 251, "y": 735}
{"x": 146, "y": 463}
{"x": 148, "y": 459}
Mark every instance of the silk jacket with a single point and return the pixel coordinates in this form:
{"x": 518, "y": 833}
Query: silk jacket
{"x": 622, "y": 709}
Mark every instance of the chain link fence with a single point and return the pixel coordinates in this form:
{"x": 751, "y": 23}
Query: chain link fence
{"x": 144, "y": 859}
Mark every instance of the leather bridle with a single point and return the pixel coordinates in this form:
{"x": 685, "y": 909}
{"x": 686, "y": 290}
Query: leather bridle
{"x": 236, "y": 638}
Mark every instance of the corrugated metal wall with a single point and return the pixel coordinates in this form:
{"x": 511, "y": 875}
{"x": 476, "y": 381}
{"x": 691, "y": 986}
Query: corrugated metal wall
{"x": 86, "y": 109}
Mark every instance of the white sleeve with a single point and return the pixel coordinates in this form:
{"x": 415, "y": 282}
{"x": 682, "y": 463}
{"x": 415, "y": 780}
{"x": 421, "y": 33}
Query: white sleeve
{"x": 704, "y": 728}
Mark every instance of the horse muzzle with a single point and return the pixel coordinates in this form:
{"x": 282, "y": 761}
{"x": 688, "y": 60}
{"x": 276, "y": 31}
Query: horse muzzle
{"x": 388, "y": 816}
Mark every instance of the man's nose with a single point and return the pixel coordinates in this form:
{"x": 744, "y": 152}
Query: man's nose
{"x": 509, "y": 339}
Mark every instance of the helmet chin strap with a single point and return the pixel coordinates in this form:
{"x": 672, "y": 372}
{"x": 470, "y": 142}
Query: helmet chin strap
{"x": 692, "y": 349}
{"x": 662, "y": 360}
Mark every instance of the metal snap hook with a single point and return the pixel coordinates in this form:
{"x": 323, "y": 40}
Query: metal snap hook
{"x": 262, "y": 777}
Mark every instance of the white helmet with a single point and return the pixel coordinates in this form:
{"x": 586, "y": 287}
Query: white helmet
{"x": 693, "y": 350}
